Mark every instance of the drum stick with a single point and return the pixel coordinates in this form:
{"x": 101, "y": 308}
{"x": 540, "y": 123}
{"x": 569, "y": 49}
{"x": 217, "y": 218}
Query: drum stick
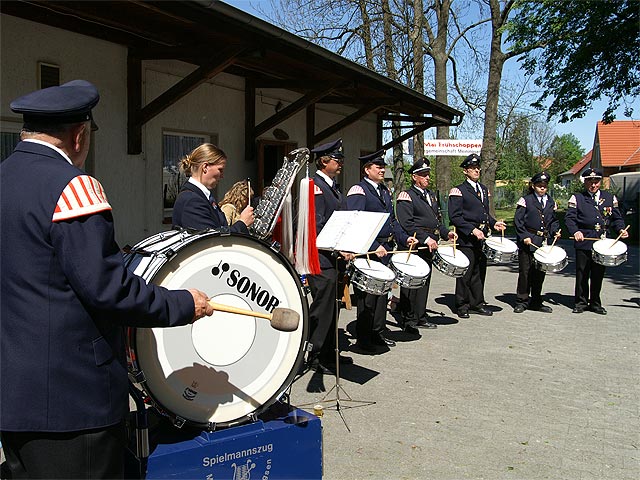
{"x": 552, "y": 244}
{"x": 410, "y": 247}
{"x": 283, "y": 319}
{"x": 502, "y": 233}
{"x": 586, "y": 238}
{"x": 455, "y": 238}
{"x": 619, "y": 236}
{"x": 248, "y": 192}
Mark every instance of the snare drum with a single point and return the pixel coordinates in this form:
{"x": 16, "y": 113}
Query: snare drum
{"x": 607, "y": 254}
{"x": 410, "y": 272}
{"x": 224, "y": 369}
{"x": 451, "y": 263}
{"x": 500, "y": 250}
{"x": 550, "y": 258}
{"x": 373, "y": 277}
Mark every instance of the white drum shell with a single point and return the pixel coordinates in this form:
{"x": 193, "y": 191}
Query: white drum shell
{"x": 224, "y": 369}
{"x": 500, "y": 250}
{"x": 606, "y": 253}
{"x": 551, "y": 258}
{"x": 371, "y": 276}
{"x": 451, "y": 263}
{"x": 410, "y": 270}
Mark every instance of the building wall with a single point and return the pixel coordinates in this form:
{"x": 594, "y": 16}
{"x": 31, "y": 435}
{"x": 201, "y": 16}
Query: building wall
{"x": 134, "y": 182}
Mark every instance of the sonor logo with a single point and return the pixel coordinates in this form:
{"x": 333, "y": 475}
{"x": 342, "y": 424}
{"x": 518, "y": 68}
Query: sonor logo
{"x": 247, "y": 287}
{"x": 189, "y": 394}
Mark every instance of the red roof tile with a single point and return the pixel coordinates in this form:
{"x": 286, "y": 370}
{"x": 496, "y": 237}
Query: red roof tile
{"x": 619, "y": 143}
{"x": 582, "y": 163}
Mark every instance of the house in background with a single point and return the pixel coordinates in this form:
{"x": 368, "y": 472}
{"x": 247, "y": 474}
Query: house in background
{"x": 574, "y": 172}
{"x": 616, "y": 147}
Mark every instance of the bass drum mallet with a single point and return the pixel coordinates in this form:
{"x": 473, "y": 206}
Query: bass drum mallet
{"x": 283, "y": 319}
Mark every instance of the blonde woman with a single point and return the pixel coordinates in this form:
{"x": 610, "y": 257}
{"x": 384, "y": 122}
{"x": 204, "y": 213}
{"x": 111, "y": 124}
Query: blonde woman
{"x": 196, "y": 208}
{"x": 235, "y": 201}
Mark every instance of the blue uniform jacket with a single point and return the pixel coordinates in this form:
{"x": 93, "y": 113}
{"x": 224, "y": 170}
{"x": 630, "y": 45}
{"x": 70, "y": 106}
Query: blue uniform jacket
{"x": 467, "y": 211}
{"x": 592, "y": 220}
{"x": 416, "y": 215}
{"x": 327, "y": 200}
{"x": 65, "y": 297}
{"x": 362, "y": 196}
{"x": 193, "y": 210}
{"x": 531, "y": 216}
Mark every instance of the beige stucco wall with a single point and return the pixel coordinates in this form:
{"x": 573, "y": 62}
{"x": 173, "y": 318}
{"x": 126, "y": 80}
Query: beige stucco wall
{"x": 134, "y": 182}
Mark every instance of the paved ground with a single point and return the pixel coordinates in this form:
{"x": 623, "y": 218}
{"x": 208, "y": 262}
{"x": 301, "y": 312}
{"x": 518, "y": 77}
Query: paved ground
{"x": 513, "y": 396}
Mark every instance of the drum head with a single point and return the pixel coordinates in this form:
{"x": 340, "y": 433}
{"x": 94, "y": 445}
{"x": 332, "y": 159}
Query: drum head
{"x": 455, "y": 258}
{"x": 502, "y": 244}
{"x": 374, "y": 269}
{"x": 551, "y": 254}
{"x": 222, "y": 368}
{"x": 607, "y": 247}
{"x": 413, "y": 266}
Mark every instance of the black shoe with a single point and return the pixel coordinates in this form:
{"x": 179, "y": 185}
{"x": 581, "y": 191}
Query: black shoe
{"x": 380, "y": 339}
{"x": 411, "y": 330}
{"x": 368, "y": 348}
{"x": 519, "y": 308}
{"x": 480, "y": 310}
{"x": 320, "y": 367}
{"x": 578, "y": 310}
{"x": 541, "y": 308}
{"x": 463, "y": 313}
{"x": 598, "y": 309}
{"x": 425, "y": 324}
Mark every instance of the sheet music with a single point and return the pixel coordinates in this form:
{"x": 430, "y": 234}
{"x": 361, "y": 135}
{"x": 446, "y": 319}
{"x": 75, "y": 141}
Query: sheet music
{"x": 351, "y": 230}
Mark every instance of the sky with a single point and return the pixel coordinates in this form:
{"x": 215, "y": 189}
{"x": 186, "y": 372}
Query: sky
{"x": 584, "y": 128}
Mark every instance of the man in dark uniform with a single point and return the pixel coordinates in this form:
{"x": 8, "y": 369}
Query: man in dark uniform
{"x": 418, "y": 211}
{"x": 536, "y": 223}
{"x": 469, "y": 213}
{"x": 323, "y": 312}
{"x": 372, "y": 195}
{"x": 65, "y": 297}
{"x": 591, "y": 214}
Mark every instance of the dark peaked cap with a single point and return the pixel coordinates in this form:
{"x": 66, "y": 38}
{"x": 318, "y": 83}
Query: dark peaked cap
{"x": 331, "y": 149}
{"x": 542, "y": 177}
{"x": 591, "y": 173}
{"x": 420, "y": 166}
{"x": 68, "y": 103}
{"x": 375, "y": 158}
{"x": 471, "y": 160}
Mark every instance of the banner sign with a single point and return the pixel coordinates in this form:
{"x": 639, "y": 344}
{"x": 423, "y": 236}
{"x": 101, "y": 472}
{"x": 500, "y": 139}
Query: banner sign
{"x": 452, "y": 147}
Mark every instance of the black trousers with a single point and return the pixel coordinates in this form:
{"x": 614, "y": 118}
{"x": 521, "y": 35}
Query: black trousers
{"x": 586, "y": 269}
{"x": 323, "y": 314}
{"x": 85, "y": 454}
{"x": 530, "y": 279}
{"x": 371, "y": 314}
{"x": 413, "y": 301}
{"x": 470, "y": 287}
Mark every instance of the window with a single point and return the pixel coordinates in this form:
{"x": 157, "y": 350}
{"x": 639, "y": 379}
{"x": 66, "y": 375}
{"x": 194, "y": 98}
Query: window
{"x": 48, "y": 75}
{"x": 176, "y": 145}
{"x": 9, "y": 138}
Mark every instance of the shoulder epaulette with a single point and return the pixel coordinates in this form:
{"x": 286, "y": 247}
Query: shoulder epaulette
{"x": 522, "y": 202}
{"x": 82, "y": 196}
{"x": 455, "y": 192}
{"x": 317, "y": 190}
{"x": 572, "y": 202}
{"x": 404, "y": 196}
{"x": 356, "y": 190}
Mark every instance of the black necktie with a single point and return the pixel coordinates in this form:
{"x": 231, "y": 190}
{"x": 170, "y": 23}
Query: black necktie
{"x": 478, "y": 191}
{"x": 542, "y": 201}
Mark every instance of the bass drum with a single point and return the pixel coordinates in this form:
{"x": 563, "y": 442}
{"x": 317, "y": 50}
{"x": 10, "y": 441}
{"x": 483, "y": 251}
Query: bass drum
{"x": 225, "y": 369}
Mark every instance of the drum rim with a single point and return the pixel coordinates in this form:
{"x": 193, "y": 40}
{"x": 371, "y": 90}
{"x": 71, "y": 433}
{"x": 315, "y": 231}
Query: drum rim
{"x": 131, "y": 343}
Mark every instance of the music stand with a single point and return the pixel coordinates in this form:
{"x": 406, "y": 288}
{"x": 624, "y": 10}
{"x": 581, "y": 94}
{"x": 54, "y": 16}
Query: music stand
{"x": 345, "y": 226}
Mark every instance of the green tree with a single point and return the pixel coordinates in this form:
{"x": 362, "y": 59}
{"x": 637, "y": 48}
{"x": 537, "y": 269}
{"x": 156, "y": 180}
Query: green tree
{"x": 588, "y": 50}
{"x": 565, "y": 152}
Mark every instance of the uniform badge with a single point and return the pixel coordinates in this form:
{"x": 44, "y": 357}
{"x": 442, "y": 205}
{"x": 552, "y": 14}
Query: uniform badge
{"x": 597, "y": 227}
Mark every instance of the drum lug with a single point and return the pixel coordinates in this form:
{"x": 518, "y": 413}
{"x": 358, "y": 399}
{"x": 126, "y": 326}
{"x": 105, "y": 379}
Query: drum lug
{"x": 253, "y": 417}
{"x": 137, "y": 377}
{"x": 211, "y": 426}
{"x": 308, "y": 346}
{"x": 275, "y": 246}
{"x": 179, "y": 422}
